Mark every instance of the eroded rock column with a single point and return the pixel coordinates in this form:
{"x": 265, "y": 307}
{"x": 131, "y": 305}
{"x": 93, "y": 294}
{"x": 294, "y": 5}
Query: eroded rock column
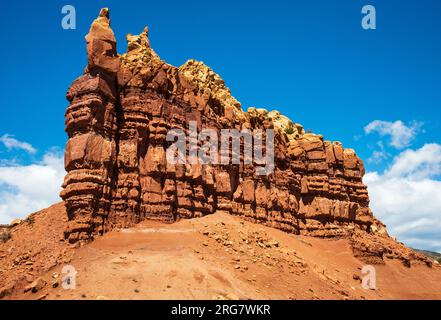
{"x": 91, "y": 127}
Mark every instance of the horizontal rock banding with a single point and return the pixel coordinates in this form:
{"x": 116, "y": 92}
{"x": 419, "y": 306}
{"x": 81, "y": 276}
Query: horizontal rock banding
{"x": 120, "y": 112}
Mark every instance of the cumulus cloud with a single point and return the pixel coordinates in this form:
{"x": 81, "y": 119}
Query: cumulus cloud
{"x": 417, "y": 164}
{"x": 406, "y": 196}
{"x": 28, "y": 188}
{"x": 11, "y": 143}
{"x": 401, "y": 135}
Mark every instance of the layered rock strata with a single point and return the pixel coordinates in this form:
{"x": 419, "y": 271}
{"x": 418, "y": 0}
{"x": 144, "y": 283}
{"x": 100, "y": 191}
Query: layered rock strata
{"x": 119, "y": 114}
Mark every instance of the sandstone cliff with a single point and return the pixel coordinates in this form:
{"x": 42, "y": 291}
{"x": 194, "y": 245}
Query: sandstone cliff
{"x": 119, "y": 114}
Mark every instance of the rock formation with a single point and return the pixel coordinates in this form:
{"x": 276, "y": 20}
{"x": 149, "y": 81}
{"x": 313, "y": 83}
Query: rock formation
{"x": 119, "y": 114}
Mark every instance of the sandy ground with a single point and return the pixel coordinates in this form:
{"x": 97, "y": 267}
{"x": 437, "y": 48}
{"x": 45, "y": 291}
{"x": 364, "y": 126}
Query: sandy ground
{"x": 219, "y": 257}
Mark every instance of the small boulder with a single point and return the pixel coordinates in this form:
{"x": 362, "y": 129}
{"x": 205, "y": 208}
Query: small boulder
{"x": 15, "y": 222}
{"x": 36, "y": 286}
{"x": 232, "y": 296}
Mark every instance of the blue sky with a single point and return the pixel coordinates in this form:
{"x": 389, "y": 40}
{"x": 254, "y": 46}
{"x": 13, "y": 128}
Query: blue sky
{"x": 311, "y": 60}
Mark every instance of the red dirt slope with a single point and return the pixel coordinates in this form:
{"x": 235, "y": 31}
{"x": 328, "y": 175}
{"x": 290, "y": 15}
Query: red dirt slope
{"x": 215, "y": 257}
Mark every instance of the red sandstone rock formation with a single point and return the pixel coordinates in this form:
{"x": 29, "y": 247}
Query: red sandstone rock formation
{"x": 119, "y": 114}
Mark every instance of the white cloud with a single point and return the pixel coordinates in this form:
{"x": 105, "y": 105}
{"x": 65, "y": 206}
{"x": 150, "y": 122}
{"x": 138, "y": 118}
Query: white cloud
{"x": 400, "y": 135}
{"x": 378, "y": 155}
{"x": 406, "y": 197}
{"x": 417, "y": 164}
{"x": 26, "y": 189}
{"x": 11, "y": 143}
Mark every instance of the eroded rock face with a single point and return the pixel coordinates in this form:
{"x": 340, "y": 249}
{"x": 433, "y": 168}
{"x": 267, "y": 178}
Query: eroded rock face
{"x": 120, "y": 112}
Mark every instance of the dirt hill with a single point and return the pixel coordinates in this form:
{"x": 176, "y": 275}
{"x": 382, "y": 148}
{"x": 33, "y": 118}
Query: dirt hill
{"x": 218, "y": 256}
